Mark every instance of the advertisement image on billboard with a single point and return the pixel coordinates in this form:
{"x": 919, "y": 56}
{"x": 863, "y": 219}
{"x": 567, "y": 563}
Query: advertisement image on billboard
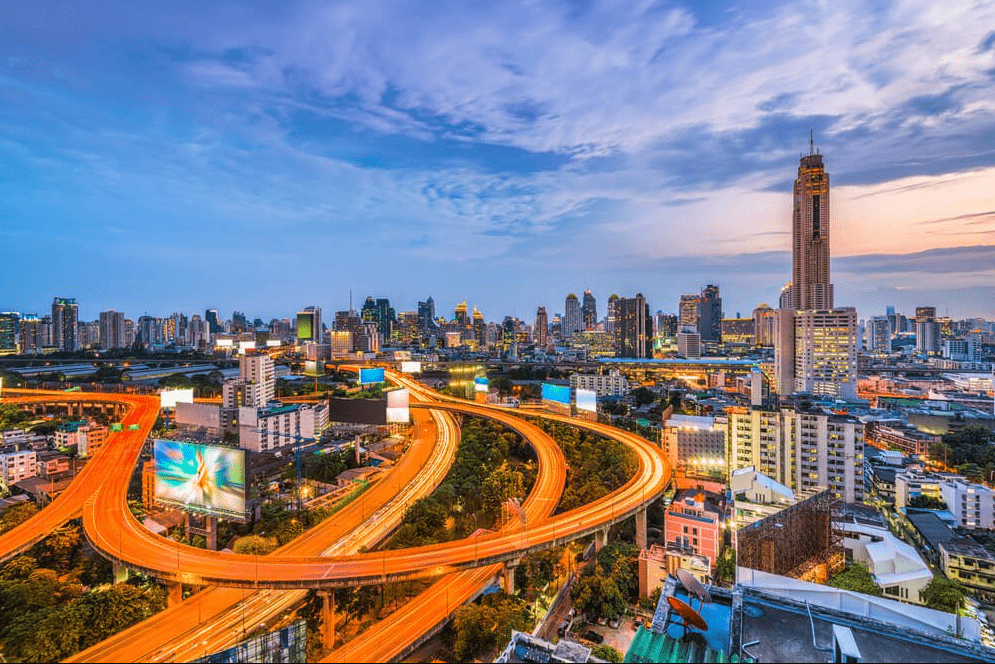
{"x": 557, "y": 393}
{"x": 169, "y": 398}
{"x": 411, "y": 367}
{"x": 397, "y": 406}
{"x": 207, "y": 479}
{"x": 481, "y": 384}
{"x": 587, "y": 400}
{"x": 371, "y": 376}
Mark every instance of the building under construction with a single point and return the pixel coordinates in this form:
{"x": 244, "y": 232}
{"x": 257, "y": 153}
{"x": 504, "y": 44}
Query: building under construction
{"x": 801, "y": 541}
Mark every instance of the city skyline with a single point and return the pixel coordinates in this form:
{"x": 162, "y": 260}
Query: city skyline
{"x": 600, "y": 150}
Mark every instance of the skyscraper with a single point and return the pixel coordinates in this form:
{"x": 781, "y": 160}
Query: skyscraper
{"x": 763, "y": 325}
{"x": 710, "y": 315}
{"x": 689, "y": 311}
{"x": 211, "y": 316}
{"x": 542, "y": 328}
{"x": 573, "y": 319}
{"x": 426, "y": 314}
{"x": 64, "y": 318}
{"x": 811, "y": 287}
{"x": 309, "y": 324}
{"x": 612, "y": 316}
{"x": 927, "y": 331}
{"x": 111, "y": 330}
{"x": 633, "y": 334}
{"x": 590, "y": 311}
{"x": 8, "y": 332}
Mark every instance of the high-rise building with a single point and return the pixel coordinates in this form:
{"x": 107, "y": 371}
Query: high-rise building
{"x": 879, "y": 334}
{"x": 763, "y": 325}
{"x": 9, "y": 332}
{"x": 309, "y": 325}
{"x": 826, "y": 352}
{"x": 927, "y": 331}
{"x": 461, "y": 315}
{"x": 211, "y": 316}
{"x": 426, "y": 314}
{"x": 386, "y": 318}
{"x": 633, "y": 333}
{"x": 590, "y": 311}
{"x": 666, "y": 325}
{"x": 30, "y": 334}
{"x": 710, "y": 315}
{"x": 612, "y": 316}
{"x": 542, "y": 328}
{"x": 256, "y": 383}
{"x": 479, "y": 327}
{"x": 811, "y": 286}
{"x": 64, "y": 321}
{"x": 573, "y": 318}
{"x": 238, "y": 322}
{"x": 111, "y": 330}
{"x": 689, "y": 312}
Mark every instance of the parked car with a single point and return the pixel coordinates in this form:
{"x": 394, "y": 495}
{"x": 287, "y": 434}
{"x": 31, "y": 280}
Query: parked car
{"x": 594, "y": 637}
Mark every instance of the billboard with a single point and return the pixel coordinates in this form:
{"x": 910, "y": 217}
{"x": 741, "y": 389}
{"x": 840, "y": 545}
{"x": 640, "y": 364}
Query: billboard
{"x": 397, "y": 406}
{"x": 587, "y": 400}
{"x": 557, "y": 393}
{"x": 273, "y": 343}
{"x": 224, "y": 343}
{"x": 481, "y": 384}
{"x": 169, "y": 398}
{"x": 314, "y": 368}
{"x": 207, "y": 479}
{"x": 246, "y": 345}
{"x": 357, "y": 411}
{"x": 371, "y": 376}
{"x": 410, "y": 367}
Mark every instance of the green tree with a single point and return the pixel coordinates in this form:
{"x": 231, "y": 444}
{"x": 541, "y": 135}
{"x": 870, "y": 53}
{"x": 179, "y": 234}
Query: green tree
{"x": 858, "y": 578}
{"x": 254, "y": 545}
{"x": 608, "y": 653}
{"x": 486, "y": 624}
{"x": 58, "y": 549}
{"x": 15, "y": 515}
{"x": 725, "y": 566}
{"x": 944, "y": 594}
{"x": 927, "y": 502}
{"x": 499, "y": 486}
{"x": 597, "y": 594}
{"x": 643, "y": 396}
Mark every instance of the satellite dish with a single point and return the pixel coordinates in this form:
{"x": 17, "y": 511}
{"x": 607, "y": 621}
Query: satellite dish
{"x": 691, "y": 617}
{"x": 694, "y": 586}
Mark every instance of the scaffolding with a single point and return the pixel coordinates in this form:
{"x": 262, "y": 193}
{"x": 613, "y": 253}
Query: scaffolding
{"x": 795, "y": 540}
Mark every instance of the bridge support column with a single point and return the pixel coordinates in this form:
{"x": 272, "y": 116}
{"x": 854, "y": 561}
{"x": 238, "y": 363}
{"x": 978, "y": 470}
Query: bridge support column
{"x": 641, "y": 528}
{"x": 211, "y": 526}
{"x": 327, "y": 619}
{"x": 509, "y": 576}
{"x": 600, "y": 539}
{"x": 120, "y": 572}
{"x": 174, "y": 590}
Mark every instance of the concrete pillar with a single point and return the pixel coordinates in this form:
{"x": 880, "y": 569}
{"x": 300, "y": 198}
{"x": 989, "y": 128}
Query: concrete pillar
{"x": 509, "y": 576}
{"x": 120, "y": 572}
{"x": 327, "y": 619}
{"x": 641, "y": 528}
{"x": 600, "y": 539}
{"x": 211, "y": 526}
{"x": 175, "y": 593}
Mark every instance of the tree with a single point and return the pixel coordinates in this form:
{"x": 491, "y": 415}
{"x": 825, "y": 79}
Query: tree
{"x": 597, "y": 594}
{"x": 643, "y": 396}
{"x": 15, "y": 515}
{"x": 476, "y": 627}
{"x": 858, "y": 578}
{"x": 725, "y": 566}
{"x": 944, "y": 594}
{"x": 254, "y": 545}
{"x": 608, "y": 653}
{"x": 927, "y": 502}
{"x": 499, "y": 486}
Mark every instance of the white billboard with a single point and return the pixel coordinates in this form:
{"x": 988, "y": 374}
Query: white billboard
{"x": 224, "y": 343}
{"x": 273, "y": 343}
{"x": 246, "y": 345}
{"x": 410, "y": 367}
{"x": 397, "y": 406}
{"x": 169, "y": 398}
{"x": 587, "y": 400}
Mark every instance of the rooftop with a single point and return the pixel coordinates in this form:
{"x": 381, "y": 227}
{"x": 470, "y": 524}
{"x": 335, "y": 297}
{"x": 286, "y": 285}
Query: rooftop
{"x": 965, "y": 546}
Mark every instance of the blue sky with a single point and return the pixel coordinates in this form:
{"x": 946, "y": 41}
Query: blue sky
{"x": 267, "y": 156}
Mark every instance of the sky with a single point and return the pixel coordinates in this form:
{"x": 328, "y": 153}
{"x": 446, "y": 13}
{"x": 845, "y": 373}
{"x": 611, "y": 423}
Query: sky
{"x": 160, "y": 157}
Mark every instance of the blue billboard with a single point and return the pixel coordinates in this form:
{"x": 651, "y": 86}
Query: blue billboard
{"x": 557, "y": 393}
{"x": 371, "y": 376}
{"x": 587, "y": 400}
{"x": 207, "y": 479}
{"x": 481, "y": 384}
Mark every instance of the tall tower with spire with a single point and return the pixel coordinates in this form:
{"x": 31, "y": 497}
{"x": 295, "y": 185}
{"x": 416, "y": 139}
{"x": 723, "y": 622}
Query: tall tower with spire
{"x": 811, "y": 287}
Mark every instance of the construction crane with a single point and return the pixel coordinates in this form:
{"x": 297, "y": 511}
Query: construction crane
{"x": 298, "y": 439}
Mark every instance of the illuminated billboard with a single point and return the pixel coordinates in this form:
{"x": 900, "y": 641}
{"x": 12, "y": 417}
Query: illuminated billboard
{"x": 371, "y": 376}
{"x": 169, "y": 398}
{"x": 273, "y": 343}
{"x": 557, "y": 393}
{"x": 207, "y": 479}
{"x": 480, "y": 384}
{"x": 246, "y": 345}
{"x": 411, "y": 367}
{"x": 587, "y": 400}
{"x": 397, "y": 406}
{"x": 224, "y": 343}
{"x": 314, "y": 368}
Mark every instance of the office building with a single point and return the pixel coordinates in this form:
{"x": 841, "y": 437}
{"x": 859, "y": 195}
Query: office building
{"x": 688, "y": 344}
{"x": 30, "y": 334}
{"x": 710, "y": 315}
{"x": 9, "y": 323}
{"x": 688, "y": 311}
{"x": 64, "y": 323}
{"x": 811, "y": 286}
{"x": 256, "y": 383}
{"x": 589, "y": 311}
{"x": 541, "y": 331}
{"x": 611, "y": 384}
{"x": 271, "y": 428}
{"x": 111, "y": 330}
{"x": 739, "y": 331}
{"x": 573, "y": 317}
{"x": 696, "y": 443}
{"x": 309, "y": 325}
{"x": 426, "y": 315}
{"x": 611, "y": 316}
{"x": 927, "y": 331}
{"x": 826, "y": 352}
{"x": 633, "y": 336}
{"x": 763, "y": 326}
{"x": 879, "y": 334}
